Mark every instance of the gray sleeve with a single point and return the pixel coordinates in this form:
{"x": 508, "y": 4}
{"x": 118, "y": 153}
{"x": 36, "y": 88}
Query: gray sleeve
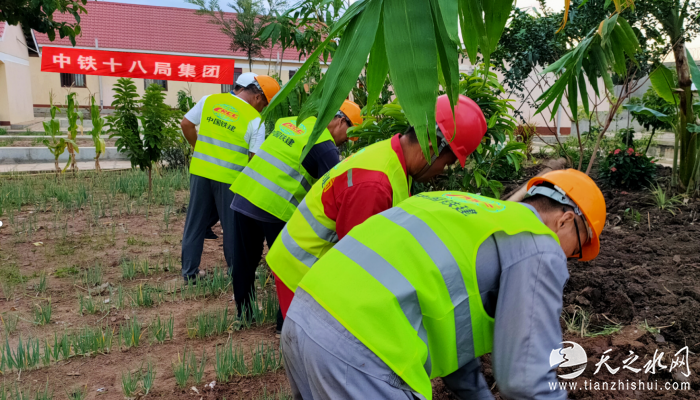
{"x": 468, "y": 383}
{"x": 527, "y": 321}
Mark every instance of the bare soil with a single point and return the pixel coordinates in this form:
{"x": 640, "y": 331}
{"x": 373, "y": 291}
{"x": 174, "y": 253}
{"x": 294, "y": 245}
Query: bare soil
{"x": 642, "y": 294}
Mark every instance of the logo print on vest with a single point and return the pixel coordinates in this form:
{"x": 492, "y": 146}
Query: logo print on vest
{"x": 291, "y": 129}
{"x": 226, "y": 112}
{"x": 481, "y": 202}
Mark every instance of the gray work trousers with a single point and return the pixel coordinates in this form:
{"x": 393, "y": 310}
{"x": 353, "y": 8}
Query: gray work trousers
{"x": 323, "y": 360}
{"x": 206, "y": 195}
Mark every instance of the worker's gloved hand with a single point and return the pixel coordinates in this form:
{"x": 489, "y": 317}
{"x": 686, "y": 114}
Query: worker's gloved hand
{"x": 209, "y": 234}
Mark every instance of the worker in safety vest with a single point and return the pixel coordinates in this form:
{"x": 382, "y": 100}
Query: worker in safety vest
{"x": 274, "y": 183}
{"x": 229, "y": 135}
{"x": 370, "y": 181}
{"x": 422, "y": 290}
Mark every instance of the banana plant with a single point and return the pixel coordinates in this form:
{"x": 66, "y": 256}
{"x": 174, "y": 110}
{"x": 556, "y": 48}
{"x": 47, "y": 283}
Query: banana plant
{"x": 381, "y": 122}
{"x": 56, "y": 145}
{"x": 97, "y": 125}
{"x": 73, "y": 115}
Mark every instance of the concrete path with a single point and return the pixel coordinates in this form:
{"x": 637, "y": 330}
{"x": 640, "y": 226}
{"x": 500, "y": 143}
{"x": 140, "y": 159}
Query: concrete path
{"x": 82, "y": 165}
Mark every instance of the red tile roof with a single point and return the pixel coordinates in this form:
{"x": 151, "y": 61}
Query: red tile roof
{"x": 151, "y": 28}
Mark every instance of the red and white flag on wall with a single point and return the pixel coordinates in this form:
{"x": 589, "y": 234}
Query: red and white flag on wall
{"x": 137, "y": 65}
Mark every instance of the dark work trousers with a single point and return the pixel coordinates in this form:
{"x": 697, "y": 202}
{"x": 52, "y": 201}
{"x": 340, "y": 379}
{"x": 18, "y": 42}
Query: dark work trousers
{"x": 206, "y": 196}
{"x": 247, "y": 250}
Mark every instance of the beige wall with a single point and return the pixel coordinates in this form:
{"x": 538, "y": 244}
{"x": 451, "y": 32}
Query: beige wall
{"x": 15, "y": 78}
{"x": 45, "y": 82}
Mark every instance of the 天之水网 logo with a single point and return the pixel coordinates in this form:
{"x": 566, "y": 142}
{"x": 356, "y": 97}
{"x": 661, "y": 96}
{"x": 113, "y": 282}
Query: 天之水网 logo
{"x": 572, "y": 359}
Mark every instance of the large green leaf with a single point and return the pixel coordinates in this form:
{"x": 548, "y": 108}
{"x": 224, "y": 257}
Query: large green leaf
{"x": 413, "y": 63}
{"x": 584, "y": 92}
{"x": 573, "y": 97}
{"x": 663, "y": 83}
{"x": 640, "y": 109}
{"x": 377, "y": 67}
{"x": 447, "y": 50}
{"x": 474, "y": 16}
{"x": 349, "y": 14}
{"x": 694, "y": 71}
{"x": 470, "y": 34}
{"x": 496, "y": 13}
{"x": 348, "y": 61}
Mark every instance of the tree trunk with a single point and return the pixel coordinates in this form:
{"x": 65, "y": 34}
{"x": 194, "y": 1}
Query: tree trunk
{"x": 250, "y": 62}
{"x": 150, "y": 182}
{"x": 653, "y": 131}
{"x": 687, "y": 146}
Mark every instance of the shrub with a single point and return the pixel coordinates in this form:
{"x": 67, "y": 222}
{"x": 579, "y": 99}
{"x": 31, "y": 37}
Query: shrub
{"x": 627, "y": 169}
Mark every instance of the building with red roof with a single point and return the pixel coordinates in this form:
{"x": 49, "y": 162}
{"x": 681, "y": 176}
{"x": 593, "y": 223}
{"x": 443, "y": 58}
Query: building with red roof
{"x": 124, "y": 28}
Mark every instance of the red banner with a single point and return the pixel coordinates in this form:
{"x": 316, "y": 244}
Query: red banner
{"x": 137, "y": 65}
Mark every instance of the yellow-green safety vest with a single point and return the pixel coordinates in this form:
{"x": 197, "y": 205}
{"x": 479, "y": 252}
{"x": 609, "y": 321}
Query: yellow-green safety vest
{"x": 404, "y": 281}
{"x": 274, "y": 180}
{"x": 221, "y": 151}
{"x": 309, "y": 234}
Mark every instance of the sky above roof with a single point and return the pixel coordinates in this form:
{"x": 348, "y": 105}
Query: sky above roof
{"x": 553, "y": 4}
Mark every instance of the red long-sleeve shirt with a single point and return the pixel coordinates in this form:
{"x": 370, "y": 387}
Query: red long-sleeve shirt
{"x": 350, "y": 205}
{"x": 369, "y": 194}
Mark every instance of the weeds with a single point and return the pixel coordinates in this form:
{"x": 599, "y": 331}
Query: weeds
{"x": 206, "y": 324}
{"x": 77, "y": 393}
{"x": 230, "y": 362}
{"x": 161, "y": 329}
{"x": 42, "y": 286}
{"x": 579, "y": 323}
{"x": 282, "y": 394}
{"x": 662, "y": 200}
{"x": 130, "y": 383}
{"x": 42, "y": 314}
{"x": 9, "y": 322}
{"x": 128, "y": 269}
{"x": 265, "y": 358}
{"x": 130, "y": 333}
{"x": 92, "y": 276}
{"x": 181, "y": 370}
{"x": 147, "y": 377}
{"x": 90, "y": 341}
{"x": 633, "y": 215}
{"x": 14, "y": 392}
{"x": 66, "y": 271}
{"x": 89, "y": 305}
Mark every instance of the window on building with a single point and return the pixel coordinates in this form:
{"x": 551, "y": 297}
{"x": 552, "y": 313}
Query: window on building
{"x": 291, "y": 73}
{"x": 72, "y": 80}
{"x": 162, "y": 83}
{"x": 229, "y": 88}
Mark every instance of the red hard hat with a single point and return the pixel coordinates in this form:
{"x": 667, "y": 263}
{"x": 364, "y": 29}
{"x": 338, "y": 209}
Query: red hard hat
{"x": 471, "y": 125}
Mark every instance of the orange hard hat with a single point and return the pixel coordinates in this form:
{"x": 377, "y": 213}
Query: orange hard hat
{"x": 269, "y": 86}
{"x": 581, "y": 189}
{"x": 352, "y": 111}
{"x": 469, "y": 124}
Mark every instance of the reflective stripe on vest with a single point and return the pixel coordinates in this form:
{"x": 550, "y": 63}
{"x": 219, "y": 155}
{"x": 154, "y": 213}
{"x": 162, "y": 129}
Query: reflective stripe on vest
{"x": 411, "y": 270}
{"x": 309, "y": 234}
{"x": 221, "y": 151}
{"x": 391, "y": 279}
{"x": 217, "y": 161}
{"x": 275, "y": 179}
{"x": 220, "y": 143}
{"x": 451, "y": 274}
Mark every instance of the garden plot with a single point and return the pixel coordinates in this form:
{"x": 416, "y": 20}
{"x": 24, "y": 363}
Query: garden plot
{"x": 92, "y": 302}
